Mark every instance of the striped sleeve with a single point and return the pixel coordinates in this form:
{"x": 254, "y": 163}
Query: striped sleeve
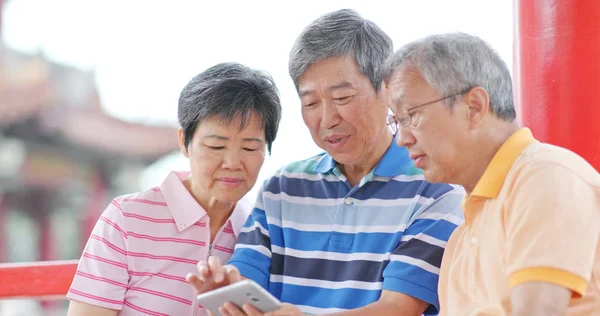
{"x": 102, "y": 276}
{"x": 415, "y": 264}
{"x": 252, "y": 254}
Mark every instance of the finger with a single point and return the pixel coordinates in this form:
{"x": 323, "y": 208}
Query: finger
{"x": 233, "y": 310}
{"x": 216, "y": 269}
{"x": 223, "y": 311}
{"x": 232, "y": 273}
{"x": 203, "y": 271}
{"x": 251, "y": 310}
{"x": 195, "y": 281}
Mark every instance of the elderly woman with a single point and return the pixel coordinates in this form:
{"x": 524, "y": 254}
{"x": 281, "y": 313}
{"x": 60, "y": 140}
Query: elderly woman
{"x": 144, "y": 244}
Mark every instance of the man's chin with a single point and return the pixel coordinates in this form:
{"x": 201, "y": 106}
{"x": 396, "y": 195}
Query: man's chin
{"x": 431, "y": 176}
{"x": 342, "y": 157}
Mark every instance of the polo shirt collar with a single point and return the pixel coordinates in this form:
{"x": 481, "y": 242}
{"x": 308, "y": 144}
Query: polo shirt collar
{"x": 395, "y": 161}
{"x": 186, "y": 211}
{"x": 240, "y": 214}
{"x": 183, "y": 207}
{"x": 325, "y": 164}
{"x": 491, "y": 182}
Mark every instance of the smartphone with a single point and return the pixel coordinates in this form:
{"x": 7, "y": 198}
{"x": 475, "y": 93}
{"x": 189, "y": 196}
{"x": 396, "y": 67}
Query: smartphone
{"x": 239, "y": 293}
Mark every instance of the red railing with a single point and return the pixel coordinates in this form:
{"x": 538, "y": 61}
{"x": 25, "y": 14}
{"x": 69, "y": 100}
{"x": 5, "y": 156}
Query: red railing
{"x": 45, "y": 279}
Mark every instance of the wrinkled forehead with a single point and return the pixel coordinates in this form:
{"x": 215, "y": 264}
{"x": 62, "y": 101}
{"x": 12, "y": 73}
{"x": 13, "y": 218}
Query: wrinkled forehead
{"x": 407, "y": 84}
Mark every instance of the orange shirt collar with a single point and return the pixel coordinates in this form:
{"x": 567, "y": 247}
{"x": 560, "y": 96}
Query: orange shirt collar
{"x": 491, "y": 182}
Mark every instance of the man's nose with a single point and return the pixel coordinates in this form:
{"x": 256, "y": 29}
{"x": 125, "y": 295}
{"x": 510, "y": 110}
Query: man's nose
{"x": 330, "y": 116}
{"x": 405, "y": 137}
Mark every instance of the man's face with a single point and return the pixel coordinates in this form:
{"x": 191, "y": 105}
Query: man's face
{"x": 436, "y": 137}
{"x": 342, "y": 110}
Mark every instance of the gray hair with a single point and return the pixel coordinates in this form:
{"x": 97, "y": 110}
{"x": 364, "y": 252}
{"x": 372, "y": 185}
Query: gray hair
{"x": 227, "y": 91}
{"x": 342, "y": 33}
{"x": 455, "y": 62}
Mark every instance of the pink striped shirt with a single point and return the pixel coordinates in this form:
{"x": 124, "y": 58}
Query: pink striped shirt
{"x": 142, "y": 247}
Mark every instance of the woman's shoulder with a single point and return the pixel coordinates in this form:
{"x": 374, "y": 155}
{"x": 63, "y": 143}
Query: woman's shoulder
{"x": 143, "y": 201}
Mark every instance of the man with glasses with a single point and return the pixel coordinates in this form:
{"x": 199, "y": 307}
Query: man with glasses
{"x": 530, "y": 241}
{"x": 355, "y": 230}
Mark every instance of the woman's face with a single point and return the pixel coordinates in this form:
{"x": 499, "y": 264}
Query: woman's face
{"x": 224, "y": 160}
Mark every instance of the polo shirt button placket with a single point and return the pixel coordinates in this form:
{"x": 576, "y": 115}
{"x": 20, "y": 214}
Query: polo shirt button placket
{"x": 348, "y": 201}
{"x": 474, "y": 240}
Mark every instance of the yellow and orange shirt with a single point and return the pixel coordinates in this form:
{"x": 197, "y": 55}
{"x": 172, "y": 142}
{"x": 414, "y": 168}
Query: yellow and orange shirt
{"x": 533, "y": 216}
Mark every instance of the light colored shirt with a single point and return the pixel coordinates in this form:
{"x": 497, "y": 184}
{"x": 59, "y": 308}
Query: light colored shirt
{"x": 534, "y": 216}
{"x": 143, "y": 246}
{"x": 315, "y": 241}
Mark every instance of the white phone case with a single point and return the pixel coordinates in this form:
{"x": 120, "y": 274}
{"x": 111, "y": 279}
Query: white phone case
{"x": 239, "y": 293}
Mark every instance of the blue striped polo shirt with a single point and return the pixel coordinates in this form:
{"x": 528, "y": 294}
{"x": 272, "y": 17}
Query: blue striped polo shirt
{"x": 315, "y": 241}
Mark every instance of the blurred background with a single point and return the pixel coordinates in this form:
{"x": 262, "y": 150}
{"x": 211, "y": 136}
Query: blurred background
{"x": 89, "y": 89}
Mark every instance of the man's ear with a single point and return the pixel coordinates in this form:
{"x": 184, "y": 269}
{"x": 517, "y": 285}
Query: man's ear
{"x": 478, "y": 105}
{"x": 383, "y": 92}
{"x": 181, "y": 140}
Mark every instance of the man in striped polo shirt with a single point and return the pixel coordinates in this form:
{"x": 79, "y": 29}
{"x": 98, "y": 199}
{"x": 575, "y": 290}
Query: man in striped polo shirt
{"x": 356, "y": 229}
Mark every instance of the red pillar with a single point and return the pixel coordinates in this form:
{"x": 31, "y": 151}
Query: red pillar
{"x": 557, "y": 72}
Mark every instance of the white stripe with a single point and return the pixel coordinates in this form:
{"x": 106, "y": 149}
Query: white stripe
{"x": 259, "y": 205}
{"x": 254, "y": 226}
{"x": 445, "y": 216}
{"x": 426, "y": 238}
{"x": 337, "y": 228}
{"x": 361, "y": 285}
{"x": 394, "y": 202}
{"x": 301, "y": 199}
{"x": 259, "y": 248}
{"x": 333, "y": 202}
{"x": 334, "y": 178}
{"x": 400, "y": 178}
{"x": 377, "y": 257}
{"x": 318, "y": 311}
{"x": 310, "y": 177}
{"x": 416, "y": 262}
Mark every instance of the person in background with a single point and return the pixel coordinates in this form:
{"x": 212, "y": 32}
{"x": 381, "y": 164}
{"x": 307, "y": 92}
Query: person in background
{"x": 355, "y": 230}
{"x": 530, "y": 244}
{"x": 145, "y": 243}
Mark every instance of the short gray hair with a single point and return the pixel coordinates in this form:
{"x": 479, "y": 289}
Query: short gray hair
{"x": 454, "y": 62}
{"x": 342, "y": 33}
{"x": 227, "y": 91}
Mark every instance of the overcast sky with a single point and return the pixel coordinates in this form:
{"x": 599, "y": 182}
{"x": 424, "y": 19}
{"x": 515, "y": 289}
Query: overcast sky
{"x": 144, "y": 52}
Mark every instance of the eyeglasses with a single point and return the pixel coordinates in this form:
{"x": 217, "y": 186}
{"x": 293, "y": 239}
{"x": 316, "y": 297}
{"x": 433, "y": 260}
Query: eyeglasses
{"x": 406, "y": 119}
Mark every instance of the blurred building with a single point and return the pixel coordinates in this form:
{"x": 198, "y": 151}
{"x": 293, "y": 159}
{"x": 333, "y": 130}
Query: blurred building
{"x": 61, "y": 157}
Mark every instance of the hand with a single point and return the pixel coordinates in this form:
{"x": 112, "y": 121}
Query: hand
{"x": 212, "y": 275}
{"x": 248, "y": 310}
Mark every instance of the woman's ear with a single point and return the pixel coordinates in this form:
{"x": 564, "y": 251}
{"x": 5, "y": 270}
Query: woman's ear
{"x": 181, "y": 140}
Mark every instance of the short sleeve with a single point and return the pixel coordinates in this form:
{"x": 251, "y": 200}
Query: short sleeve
{"x": 102, "y": 276}
{"x": 552, "y": 227}
{"x": 415, "y": 264}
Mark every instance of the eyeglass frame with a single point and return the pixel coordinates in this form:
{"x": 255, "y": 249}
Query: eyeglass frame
{"x": 397, "y": 121}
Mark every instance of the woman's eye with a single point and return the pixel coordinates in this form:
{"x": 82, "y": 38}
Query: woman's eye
{"x": 216, "y": 147}
{"x": 250, "y": 149}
